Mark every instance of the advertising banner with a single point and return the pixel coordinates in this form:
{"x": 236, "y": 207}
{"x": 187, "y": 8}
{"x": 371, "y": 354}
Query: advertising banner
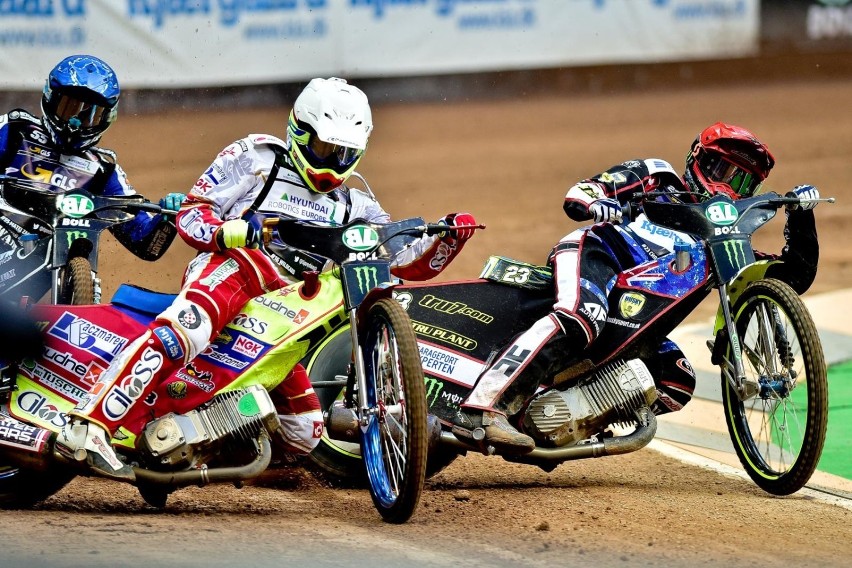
{"x": 193, "y": 43}
{"x": 807, "y": 25}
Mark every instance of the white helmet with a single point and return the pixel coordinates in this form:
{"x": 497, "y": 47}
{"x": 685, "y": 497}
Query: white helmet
{"x": 328, "y": 131}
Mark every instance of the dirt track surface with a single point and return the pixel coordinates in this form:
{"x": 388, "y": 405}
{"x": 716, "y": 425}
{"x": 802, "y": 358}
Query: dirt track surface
{"x": 509, "y": 162}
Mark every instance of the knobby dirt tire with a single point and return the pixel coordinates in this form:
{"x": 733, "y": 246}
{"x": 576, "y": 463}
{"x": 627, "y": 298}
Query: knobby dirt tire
{"x": 794, "y": 420}
{"x": 394, "y": 448}
{"x": 77, "y": 284}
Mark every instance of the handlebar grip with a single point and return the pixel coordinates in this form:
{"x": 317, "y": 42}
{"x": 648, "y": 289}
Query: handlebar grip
{"x": 627, "y": 211}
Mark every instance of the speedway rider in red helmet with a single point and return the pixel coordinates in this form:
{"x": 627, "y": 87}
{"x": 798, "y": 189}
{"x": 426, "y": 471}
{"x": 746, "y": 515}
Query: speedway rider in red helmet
{"x": 723, "y": 159}
{"x": 301, "y": 177}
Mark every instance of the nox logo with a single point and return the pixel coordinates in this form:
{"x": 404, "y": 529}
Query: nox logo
{"x": 368, "y": 278}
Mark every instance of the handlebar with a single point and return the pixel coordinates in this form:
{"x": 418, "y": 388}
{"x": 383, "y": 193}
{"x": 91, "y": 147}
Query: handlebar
{"x": 339, "y": 242}
{"x": 631, "y": 207}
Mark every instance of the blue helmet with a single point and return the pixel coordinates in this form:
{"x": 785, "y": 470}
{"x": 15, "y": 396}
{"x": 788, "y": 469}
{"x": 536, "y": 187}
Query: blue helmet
{"x": 80, "y": 101}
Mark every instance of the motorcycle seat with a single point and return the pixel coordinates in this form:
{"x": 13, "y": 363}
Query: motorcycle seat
{"x": 138, "y": 300}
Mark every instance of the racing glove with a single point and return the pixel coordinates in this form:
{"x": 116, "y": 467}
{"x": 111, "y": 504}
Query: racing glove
{"x": 806, "y": 193}
{"x": 172, "y": 201}
{"x": 460, "y": 235}
{"x": 236, "y": 233}
{"x": 606, "y": 210}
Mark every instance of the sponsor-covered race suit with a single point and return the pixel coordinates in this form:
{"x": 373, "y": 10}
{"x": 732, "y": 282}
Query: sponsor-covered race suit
{"x": 585, "y": 263}
{"x": 253, "y": 173}
{"x": 27, "y": 153}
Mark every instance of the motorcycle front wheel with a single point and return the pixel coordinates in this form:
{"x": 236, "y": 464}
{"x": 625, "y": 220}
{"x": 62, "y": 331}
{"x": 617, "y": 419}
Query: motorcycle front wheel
{"x": 778, "y": 433}
{"x": 394, "y": 439}
{"x": 76, "y": 283}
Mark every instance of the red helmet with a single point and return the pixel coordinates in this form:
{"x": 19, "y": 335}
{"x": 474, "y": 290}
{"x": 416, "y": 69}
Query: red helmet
{"x": 726, "y": 159}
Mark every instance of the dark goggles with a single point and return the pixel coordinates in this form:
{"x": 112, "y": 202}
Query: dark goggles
{"x": 332, "y": 154}
{"x": 719, "y": 170}
{"x": 79, "y": 114}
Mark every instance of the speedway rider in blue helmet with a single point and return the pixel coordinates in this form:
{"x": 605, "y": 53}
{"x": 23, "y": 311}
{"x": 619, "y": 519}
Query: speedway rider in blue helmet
{"x": 723, "y": 160}
{"x": 79, "y": 103}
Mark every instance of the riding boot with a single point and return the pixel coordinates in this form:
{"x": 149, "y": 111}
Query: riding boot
{"x": 80, "y": 441}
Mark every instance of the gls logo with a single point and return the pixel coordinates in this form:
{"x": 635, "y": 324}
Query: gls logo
{"x": 46, "y": 176}
{"x": 122, "y": 396}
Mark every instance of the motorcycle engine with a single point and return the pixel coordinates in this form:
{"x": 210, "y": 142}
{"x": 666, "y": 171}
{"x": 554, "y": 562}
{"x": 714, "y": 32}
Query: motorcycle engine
{"x": 610, "y": 396}
{"x": 183, "y": 440}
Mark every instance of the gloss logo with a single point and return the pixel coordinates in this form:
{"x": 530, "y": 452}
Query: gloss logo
{"x": 37, "y": 405}
{"x": 123, "y": 396}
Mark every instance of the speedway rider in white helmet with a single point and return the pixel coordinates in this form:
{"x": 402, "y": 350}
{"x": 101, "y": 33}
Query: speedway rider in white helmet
{"x": 301, "y": 178}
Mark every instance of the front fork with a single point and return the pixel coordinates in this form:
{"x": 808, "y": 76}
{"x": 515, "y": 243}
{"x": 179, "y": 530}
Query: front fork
{"x": 363, "y": 410}
{"x": 744, "y": 387}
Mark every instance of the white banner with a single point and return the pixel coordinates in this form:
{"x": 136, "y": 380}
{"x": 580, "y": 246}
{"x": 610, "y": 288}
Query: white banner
{"x": 193, "y": 43}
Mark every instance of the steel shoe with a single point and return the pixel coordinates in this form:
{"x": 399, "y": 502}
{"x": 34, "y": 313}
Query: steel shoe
{"x": 505, "y": 437}
{"x": 86, "y": 442}
{"x": 491, "y": 429}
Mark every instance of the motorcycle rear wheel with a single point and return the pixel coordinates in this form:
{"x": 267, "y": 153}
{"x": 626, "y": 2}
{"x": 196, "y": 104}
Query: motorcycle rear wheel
{"x": 394, "y": 441}
{"x": 779, "y": 433}
{"x": 21, "y": 488}
{"x": 76, "y": 283}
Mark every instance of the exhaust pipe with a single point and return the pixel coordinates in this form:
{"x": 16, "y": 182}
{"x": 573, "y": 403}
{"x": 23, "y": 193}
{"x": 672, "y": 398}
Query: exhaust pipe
{"x": 636, "y": 440}
{"x": 205, "y": 476}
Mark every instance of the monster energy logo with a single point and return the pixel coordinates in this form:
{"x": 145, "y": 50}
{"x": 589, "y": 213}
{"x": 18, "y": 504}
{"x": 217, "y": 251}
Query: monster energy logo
{"x": 74, "y": 235}
{"x": 736, "y": 252}
{"x": 434, "y": 387}
{"x": 368, "y": 278}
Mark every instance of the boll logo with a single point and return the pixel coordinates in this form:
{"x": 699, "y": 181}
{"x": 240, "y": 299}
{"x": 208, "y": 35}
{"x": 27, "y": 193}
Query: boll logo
{"x": 722, "y": 214}
{"x": 76, "y": 205}
{"x": 360, "y": 238}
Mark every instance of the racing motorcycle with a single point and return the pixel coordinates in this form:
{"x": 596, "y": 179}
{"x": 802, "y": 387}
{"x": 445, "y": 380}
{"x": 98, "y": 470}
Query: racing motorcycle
{"x": 170, "y": 441}
{"x": 53, "y": 235}
{"x": 772, "y": 365}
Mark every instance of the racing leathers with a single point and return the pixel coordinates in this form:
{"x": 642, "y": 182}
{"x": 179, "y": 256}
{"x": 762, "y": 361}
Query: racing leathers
{"x": 27, "y": 153}
{"x": 254, "y": 175}
{"x": 585, "y": 263}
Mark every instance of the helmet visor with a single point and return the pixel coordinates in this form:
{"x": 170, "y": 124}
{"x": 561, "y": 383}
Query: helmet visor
{"x": 719, "y": 170}
{"x": 79, "y": 114}
{"x": 326, "y": 153}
